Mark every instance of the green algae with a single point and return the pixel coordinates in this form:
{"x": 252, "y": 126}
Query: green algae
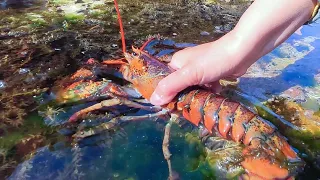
{"x": 36, "y": 20}
{"x": 304, "y": 140}
{"x": 11, "y": 139}
{"x": 61, "y": 2}
{"x": 216, "y": 163}
{"x": 33, "y": 125}
{"x": 317, "y": 113}
{"x": 74, "y": 18}
{"x": 197, "y": 153}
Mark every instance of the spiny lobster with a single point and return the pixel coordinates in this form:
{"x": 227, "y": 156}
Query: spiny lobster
{"x": 267, "y": 154}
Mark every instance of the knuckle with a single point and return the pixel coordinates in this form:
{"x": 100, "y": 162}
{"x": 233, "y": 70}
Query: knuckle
{"x": 198, "y": 76}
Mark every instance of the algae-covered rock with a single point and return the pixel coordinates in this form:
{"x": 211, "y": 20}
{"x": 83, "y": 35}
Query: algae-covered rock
{"x": 307, "y": 138}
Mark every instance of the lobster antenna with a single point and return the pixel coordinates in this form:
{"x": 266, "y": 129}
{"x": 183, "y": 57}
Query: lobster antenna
{"x": 121, "y": 27}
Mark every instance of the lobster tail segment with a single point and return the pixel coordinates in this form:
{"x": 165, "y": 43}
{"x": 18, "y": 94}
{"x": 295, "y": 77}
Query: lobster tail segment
{"x": 266, "y": 170}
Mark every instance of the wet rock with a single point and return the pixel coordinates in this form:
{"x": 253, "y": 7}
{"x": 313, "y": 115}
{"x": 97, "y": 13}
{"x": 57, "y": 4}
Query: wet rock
{"x": 23, "y": 70}
{"x": 309, "y": 113}
{"x": 227, "y": 27}
{"x": 2, "y": 132}
{"x": 93, "y": 21}
{"x": 79, "y": 1}
{"x": 59, "y": 10}
{"x": 218, "y": 29}
{"x": 317, "y": 78}
{"x": 17, "y": 33}
{"x": 5, "y": 29}
{"x": 29, "y": 145}
{"x": 295, "y": 93}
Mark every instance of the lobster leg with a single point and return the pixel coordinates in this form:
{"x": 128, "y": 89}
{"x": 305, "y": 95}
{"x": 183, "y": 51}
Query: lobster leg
{"x": 165, "y": 146}
{"x": 116, "y": 121}
{"x": 114, "y": 62}
{"x": 81, "y": 88}
{"x": 111, "y": 102}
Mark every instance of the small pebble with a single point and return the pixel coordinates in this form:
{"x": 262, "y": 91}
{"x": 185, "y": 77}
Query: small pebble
{"x": 59, "y": 9}
{"x": 2, "y": 84}
{"x": 79, "y": 1}
{"x": 204, "y": 33}
{"x": 218, "y": 29}
{"x": 23, "y": 70}
{"x": 227, "y": 27}
{"x": 174, "y": 34}
{"x": 24, "y": 53}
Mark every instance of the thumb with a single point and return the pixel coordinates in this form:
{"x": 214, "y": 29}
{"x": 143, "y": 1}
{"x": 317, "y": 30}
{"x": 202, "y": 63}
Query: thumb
{"x": 177, "y": 81}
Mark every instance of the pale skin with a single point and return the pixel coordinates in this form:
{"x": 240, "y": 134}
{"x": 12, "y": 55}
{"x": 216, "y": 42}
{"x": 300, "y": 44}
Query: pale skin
{"x": 263, "y": 27}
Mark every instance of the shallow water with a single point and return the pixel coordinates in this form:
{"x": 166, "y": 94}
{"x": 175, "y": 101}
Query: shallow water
{"x": 42, "y": 42}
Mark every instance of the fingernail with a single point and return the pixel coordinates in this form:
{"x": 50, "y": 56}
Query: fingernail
{"x": 173, "y": 66}
{"x": 156, "y": 99}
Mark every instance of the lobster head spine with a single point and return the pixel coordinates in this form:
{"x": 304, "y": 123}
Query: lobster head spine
{"x": 144, "y": 71}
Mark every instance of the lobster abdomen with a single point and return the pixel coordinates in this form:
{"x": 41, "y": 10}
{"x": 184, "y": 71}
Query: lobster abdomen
{"x": 235, "y": 122}
{"x": 216, "y": 113}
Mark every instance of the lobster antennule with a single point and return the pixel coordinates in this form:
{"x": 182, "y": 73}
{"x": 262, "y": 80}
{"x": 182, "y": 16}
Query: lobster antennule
{"x": 121, "y": 27}
{"x": 129, "y": 57}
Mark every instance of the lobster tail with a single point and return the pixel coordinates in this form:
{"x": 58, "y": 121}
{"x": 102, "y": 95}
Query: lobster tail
{"x": 271, "y": 159}
{"x": 262, "y": 168}
{"x": 267, "y": 154}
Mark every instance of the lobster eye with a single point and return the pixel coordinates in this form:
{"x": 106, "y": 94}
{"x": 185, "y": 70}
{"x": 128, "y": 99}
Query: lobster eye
{"x": 134, "y": 54}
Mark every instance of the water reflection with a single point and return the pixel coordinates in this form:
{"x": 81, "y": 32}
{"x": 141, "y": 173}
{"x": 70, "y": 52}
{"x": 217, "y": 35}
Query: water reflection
{"x": 296, "y": 67}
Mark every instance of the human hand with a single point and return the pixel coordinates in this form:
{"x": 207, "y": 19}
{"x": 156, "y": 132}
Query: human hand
{"x": 201, "y": 65}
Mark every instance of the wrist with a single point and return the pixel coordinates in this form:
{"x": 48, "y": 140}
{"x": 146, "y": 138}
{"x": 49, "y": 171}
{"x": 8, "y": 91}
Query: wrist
{"x": 261, "y": 29}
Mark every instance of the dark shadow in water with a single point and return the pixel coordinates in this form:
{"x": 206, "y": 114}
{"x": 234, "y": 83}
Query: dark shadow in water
{"x": 17, "y": 4}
